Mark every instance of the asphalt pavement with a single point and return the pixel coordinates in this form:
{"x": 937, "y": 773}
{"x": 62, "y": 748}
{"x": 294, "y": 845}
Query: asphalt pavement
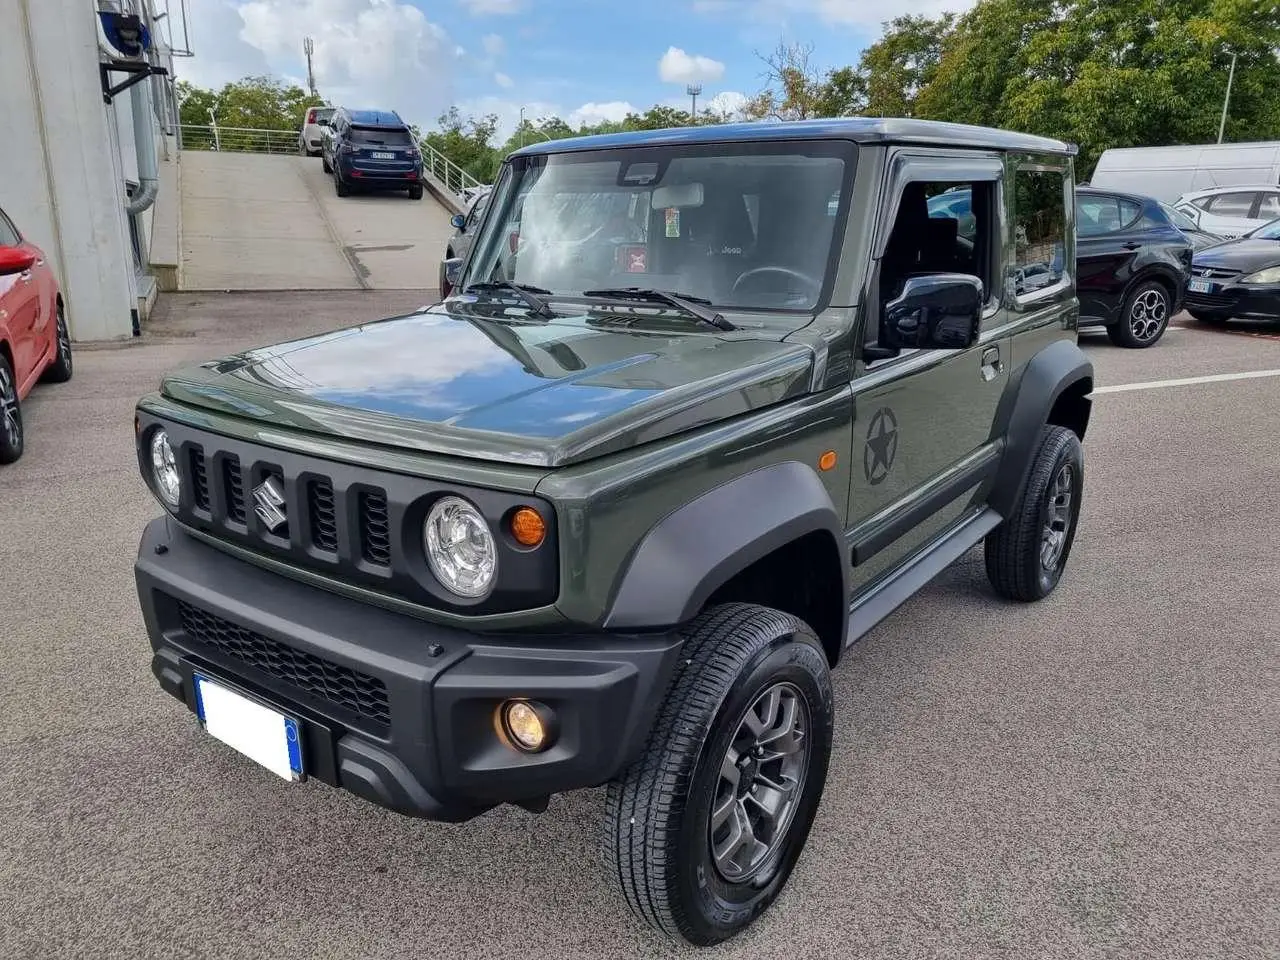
{"x": 1095, "y": 776}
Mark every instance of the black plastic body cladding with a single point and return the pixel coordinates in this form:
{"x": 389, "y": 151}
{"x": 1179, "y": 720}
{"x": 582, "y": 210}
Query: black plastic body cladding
{"x": 696, "y": 549}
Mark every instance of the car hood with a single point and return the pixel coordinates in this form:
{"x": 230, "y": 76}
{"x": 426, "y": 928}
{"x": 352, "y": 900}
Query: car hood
{"x": 1245, "y": 254}
{"x": 542, "y": 394}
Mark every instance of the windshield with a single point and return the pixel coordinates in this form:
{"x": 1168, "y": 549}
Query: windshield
{"x": 748, "y": 225}
{"x": 381, "y": 136}
{"x": 1180, "y": 219}
{"x": 1268, "y": 231}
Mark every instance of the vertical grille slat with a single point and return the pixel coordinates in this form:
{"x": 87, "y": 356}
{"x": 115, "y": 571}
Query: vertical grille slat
{"x": 323, "y": 515}
{"x": 375, "y": 528}
{"x": 199, "y": 479}
{"x": 234, "y": 484}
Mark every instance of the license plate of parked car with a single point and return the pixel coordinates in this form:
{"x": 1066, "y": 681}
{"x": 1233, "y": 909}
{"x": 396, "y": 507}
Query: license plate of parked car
{"x": 260, "y": 733}
{"x": 1200, "y": 286}
{"x": 377, "y": 155}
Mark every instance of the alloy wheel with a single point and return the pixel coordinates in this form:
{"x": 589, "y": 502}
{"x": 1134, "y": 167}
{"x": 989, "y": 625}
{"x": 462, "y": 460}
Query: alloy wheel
{"x": 64, "y": 338}
{"x": 1057, "y": 521}
{"x": 761, "y": 781}
{"x": 1148, "y": 314}
{"x": 10, "y": 416}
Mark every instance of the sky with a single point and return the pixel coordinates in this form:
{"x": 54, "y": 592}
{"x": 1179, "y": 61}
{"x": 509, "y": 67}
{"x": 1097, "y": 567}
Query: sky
{"x": 583, "y": 60}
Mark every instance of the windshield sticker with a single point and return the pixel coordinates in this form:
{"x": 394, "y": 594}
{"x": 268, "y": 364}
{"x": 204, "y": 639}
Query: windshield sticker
{"x": 673, "y": 221}
{"x": 632, "y": 259}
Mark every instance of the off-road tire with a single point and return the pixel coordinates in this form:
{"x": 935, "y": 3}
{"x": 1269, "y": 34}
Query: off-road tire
{"x": 324, "y": 163}
{"x": 62, "y": 367}
{"x": 415, "y": 192}
{"x": 657, "y": 839}
{"x": 1122, "y": 332}
{"x": 10, "y": 447}
{"x": 1015, "y": 549}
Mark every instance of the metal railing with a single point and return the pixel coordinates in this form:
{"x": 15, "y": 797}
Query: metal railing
{"x": 238, "y": 139}
{"x": 454, "y": 179}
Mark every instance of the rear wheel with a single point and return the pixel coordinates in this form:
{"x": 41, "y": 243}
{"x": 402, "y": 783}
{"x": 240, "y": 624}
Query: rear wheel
{"x": 340, "y": 186}
{"x": 704, "y": 829}
{"x": 324, "y": 162}
{"x": 415, "y": 192}
{"x": 1144, "y": 318}
{"x": 61, "y": 369}
{"x": 11, "y": 433}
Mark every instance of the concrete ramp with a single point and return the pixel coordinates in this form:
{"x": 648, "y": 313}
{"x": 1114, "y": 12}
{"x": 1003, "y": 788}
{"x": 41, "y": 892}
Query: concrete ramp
{"x": 260, "y": 222}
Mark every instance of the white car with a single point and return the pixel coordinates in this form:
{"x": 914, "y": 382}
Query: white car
{"x": 309, "y": 139}
{"x": 1231, "y": 211}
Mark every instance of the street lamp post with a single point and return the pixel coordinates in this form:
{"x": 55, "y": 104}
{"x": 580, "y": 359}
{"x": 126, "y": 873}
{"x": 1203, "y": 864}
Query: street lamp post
{"x": 694, "y": 90}
{"x": 1222, "y": 124}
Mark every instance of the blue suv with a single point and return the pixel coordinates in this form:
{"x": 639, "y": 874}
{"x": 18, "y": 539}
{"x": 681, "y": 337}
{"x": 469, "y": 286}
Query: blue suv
{"x": 374, "y": 150}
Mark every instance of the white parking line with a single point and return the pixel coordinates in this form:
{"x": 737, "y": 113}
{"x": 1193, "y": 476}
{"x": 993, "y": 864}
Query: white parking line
{"x": 1186, "y": 381}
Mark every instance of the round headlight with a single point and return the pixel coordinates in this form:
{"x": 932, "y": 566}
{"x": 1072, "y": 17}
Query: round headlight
{"x": 460, "y": 547}
{"x": 164, "y": 470}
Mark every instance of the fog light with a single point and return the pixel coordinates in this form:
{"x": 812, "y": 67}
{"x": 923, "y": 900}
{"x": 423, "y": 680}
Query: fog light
{"x": 527, "y": 725}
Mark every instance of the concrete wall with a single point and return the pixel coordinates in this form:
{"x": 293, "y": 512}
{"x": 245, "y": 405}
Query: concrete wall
{"x": 62, "y": 174}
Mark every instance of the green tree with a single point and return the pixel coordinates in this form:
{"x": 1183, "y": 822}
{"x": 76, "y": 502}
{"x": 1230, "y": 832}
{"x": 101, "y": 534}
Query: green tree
{"x": 901, "y": 64}
{"x": 468, "y": 142}
{"x": 795, "y": 89}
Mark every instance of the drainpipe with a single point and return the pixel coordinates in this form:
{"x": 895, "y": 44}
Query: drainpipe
{"x": 144, "y": 144}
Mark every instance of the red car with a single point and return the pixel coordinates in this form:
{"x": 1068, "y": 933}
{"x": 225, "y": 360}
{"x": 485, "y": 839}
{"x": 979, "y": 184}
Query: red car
{"x": 34, "y": 344}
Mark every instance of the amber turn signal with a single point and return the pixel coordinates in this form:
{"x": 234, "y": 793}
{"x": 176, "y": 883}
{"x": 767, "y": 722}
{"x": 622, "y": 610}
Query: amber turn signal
{"x": 528, "y": 527}
{"x": 827, "y": 461}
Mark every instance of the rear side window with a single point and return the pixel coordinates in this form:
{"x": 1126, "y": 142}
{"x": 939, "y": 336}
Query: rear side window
{"x": 1039, "y": 230}
{"x": 1269, "y": 208}
{"x": 378, "y": 136}
{"x": 1098, "y": 215}
{"x": 1232, "y": 204}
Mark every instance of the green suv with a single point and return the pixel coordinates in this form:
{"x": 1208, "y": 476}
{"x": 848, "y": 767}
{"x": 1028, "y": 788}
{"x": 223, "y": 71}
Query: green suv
{"x": 702, "y": 407}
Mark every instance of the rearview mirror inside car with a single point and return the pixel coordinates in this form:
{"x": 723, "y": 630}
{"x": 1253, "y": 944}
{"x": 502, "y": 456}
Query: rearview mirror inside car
{"x": 939, "y": 311}
{"x": 15, "y": 260}
{"x": 677, "y": 195}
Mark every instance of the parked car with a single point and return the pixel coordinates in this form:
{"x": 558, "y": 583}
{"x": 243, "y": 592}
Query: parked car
{"x": 1238, "y": 278}
{"x": 372, "y": 150}
{"x": 572, "y": 528}
{"x": 1232, "y": 211}
{"x": 1199, "y": 238}
{"x": 311, "y": 136}
{"x": 34, "y": 342}
{"x": 1132, "y": 265}
{"x": 464, "y": 227}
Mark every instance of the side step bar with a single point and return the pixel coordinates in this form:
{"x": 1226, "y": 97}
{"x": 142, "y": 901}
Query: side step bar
{"x": 870, "y": 608}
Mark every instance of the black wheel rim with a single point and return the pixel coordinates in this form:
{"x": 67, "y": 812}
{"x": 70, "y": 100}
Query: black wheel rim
{"x": 1057, "y": 519}
{"x": 10, "y": 417}
{"x": 761, "y": 781}
{"x": 64, "y": 339}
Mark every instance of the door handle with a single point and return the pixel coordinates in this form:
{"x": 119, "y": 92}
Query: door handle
{"x": 1132, "y": 245}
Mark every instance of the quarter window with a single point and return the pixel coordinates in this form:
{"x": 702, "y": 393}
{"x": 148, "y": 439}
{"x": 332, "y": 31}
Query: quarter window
{"x": 1269, "y": 208}
{"x": 1039, "y": 230}
{"x": 8, "y": 235}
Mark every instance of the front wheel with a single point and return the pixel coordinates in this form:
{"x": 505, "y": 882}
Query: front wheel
{"x": 1144, "y": 316}
{"x": 1028, "y": 552}
{"x": 704, "y": 829}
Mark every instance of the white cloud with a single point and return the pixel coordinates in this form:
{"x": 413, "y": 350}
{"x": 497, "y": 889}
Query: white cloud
{"x": 502, "y": 80}
{"x": 494, "y": 45}
{"x": 676, "y": 66}
{"x": 368, "y": 53}
{"x": 508, "y": 112}
{"x": 867, "y": 15}
{"x": 495, "y": 7}
{"x": 593, "y": 113}
{"x": 730, "y": 102}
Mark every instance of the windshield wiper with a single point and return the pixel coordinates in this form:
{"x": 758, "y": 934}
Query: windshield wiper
{"x": 529, "y": 294}
{"x": 694, "y": 306}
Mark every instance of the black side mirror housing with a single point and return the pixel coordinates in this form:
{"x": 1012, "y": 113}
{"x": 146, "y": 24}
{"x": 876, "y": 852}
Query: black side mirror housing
{"x": 449, "y": 275}
{"x": 938, "y": 311}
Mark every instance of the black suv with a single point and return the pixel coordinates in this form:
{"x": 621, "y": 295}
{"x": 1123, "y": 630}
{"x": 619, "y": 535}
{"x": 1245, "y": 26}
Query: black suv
{"x": 372, "y": 149}
{"x": 1132, "y": 265}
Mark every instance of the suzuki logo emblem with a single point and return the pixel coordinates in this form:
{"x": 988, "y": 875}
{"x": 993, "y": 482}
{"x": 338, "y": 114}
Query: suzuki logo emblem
{"x": 268, "y": 504}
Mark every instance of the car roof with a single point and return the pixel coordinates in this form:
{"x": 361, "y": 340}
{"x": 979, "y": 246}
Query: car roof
{"x": 858, "y": 129}
{"x": 375, "y": 118}
{"x": 1229, "y": 188}
{"x": 1138, "y": 198}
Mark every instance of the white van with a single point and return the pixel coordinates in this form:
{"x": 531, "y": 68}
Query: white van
{"x": 1168, "y": 173}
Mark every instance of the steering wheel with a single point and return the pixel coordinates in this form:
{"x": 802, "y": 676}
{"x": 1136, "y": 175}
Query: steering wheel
{"x": 785, "y": 271}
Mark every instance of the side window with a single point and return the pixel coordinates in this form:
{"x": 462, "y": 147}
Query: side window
{"x": 1129, "y": 213}
{"x": 1269, "y": 208}
{"x": 1232, "y": 204}
{"x": 8, "y": 235}
{"x": 1039, "y": 205}
{"x": 1096, "y": 215}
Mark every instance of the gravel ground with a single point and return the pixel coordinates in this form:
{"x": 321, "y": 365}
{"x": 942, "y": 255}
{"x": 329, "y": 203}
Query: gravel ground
{"x": 1094, "y": 776}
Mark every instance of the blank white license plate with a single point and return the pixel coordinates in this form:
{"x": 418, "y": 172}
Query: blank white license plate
{"x": 260, "y": 733}
{"x": 384, "y": 156}
{"x": 1200, "y": 286}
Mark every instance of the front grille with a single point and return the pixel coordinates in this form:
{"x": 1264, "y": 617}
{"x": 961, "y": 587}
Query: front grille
{"x": 375, "y": 529}
{"x": 234, "y": 485}
{"x": 356, "y": 692}
{"x": 199, "y": 479}
{"x": 1196, "y": 299}
{"x": 1214, "y": 273}
{"x": 324, "y": 516}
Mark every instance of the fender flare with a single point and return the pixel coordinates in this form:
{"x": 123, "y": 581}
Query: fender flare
{"x": 690, "y": 553}
{"x": 1025, "y": 407}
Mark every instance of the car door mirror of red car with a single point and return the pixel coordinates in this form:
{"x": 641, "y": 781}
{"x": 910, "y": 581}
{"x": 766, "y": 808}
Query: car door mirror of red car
{"x": 15, "y": 260}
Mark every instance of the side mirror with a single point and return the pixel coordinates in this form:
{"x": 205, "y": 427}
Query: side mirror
{"x": 449, "y": 272}
{"x": 15, "y": 260}
{"x": 941, "y": 311}
{"x": 459, "y": 221}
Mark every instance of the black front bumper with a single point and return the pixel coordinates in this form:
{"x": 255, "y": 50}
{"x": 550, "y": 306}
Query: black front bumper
{"x": 1247, "y": 303}
{"x": 393, "y": 708}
